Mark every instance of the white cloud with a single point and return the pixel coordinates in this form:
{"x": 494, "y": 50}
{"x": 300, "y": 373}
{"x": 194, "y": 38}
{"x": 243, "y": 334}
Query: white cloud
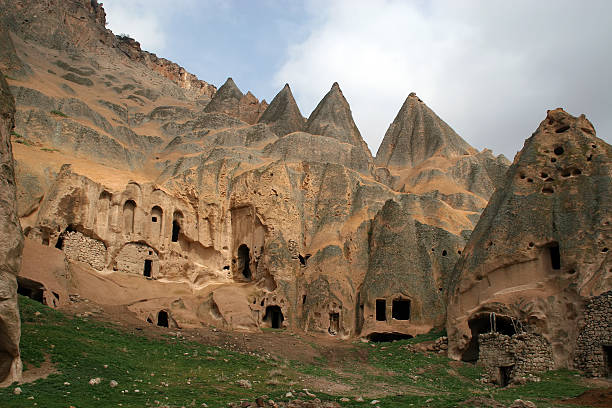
{"x": 489, "y": 68}
{"x": 144, "y": 20}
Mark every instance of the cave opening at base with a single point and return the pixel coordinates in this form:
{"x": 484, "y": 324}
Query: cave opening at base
{"x": 381, "y": 310}
{"x": 176, "y": 228}
{"x": 334, "y": 323}
{"x": 505, "y": 375}
{"x": 148, "y": 266}
{"x": 274, "y": 317}
{"x": 480, "y": 324}
{"x": 31, "y": 289}
{"x": 244, "y": 260}
{"x": 387, "y": 337}
{"x": 162, "y": 318}
{"x": 555, "y": 255}
{"x": 607, "y": 352}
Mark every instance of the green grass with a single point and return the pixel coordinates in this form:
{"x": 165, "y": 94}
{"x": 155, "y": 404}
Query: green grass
{"x": 47, "y": 149}
{"x": 58, "y": 113}
{"x": 174, "y": 372}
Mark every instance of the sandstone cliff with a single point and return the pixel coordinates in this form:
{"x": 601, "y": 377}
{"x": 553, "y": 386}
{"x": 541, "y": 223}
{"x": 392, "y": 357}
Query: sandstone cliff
{"x": 11, "y": 245}
{"x": 541, "y": 247}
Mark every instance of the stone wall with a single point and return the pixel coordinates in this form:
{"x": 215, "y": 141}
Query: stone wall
{"x": 78, "y": 247}
{"x": 595, "y": 337}
{"x": 132, "y": 259}
{"x": 522, "y": 355}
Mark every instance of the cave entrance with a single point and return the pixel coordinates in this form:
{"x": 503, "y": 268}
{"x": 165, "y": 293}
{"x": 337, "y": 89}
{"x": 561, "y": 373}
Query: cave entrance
{"x": 505, "y": 375}
{"x": 485, "y": 323}
{"x": 400, "y": 309}
{"x": 555, "y": 255}
{"x": 381, "y": 310}
{"x": 244, "y": 260}
{"x": 32, "y": 289}
{"x": 607, "y": 352}
{"x": 148, "y": 266}
{"x": 274, "y": 317}
{"x": 177, "y": 219}
{"x": 162, "y": 318}
{"x": 387, "y": 337}
{"x": 334, "y": 323}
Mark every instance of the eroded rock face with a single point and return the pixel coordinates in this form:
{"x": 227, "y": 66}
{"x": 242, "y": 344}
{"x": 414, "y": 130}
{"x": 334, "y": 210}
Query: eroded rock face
{"x": 283, "y": 115}
{"x": 541, "y": 246}
{"x": 417, "y": 134}
{"x": 230, "y": 100}
{"x": 11, "y": 246}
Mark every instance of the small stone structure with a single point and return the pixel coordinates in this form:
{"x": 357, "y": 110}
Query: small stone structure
{"x": 594, "y": 344}
{"x": 78, "y": 247}
{"x": 138, "y": 259}
{"x": 507, "y": 359}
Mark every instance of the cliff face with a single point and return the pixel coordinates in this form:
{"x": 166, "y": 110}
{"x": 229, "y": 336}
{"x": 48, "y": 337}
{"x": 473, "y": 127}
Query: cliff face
{"x": 219, "y": 209}
{"x": 11, "y": 245}
{"x": 541, "y": 247}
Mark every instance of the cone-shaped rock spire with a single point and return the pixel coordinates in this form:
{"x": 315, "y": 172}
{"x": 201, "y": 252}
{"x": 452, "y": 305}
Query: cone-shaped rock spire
{"x": 230, "y": 100}
{"x": 333, "y": 118}
{"x": 544, "y": 235}
{"x": 283, "y": 115}
{"x": 417, "y": 134}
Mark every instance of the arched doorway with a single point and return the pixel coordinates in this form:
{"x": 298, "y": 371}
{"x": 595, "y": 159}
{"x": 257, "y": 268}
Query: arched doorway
{"x": 244, "y": 262}
{"x": 274, "y": 317}
{"x": 162, "y": 318}
{"x": 129, "y": 208}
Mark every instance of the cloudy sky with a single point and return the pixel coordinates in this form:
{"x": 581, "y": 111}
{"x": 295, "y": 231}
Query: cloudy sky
{"x": 489, "y": 68}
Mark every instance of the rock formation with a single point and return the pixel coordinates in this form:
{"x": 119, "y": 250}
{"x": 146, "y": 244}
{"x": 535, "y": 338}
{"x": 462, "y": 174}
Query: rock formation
{"x": 540, "y": 249}
{"x": 417, "y": 134}
{"x": 283, "y": 115}
{"x": 11, "y": 245}
{"x": 194, "y": 207}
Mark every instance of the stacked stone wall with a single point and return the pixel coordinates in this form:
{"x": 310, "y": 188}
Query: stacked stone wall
{"x": 78, "y": 247}
{"x": 526, "y": 353}
{"x": 594, "y": 336}
{"x": 132, "y": 257}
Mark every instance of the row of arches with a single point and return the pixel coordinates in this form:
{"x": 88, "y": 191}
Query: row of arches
{"x": 129, "y": 219}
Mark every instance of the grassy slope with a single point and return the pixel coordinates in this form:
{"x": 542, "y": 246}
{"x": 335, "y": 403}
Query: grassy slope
{"x": 176, "y": 372}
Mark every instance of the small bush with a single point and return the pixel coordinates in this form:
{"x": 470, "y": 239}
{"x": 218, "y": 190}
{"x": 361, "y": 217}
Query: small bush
{"x": 47, "y": 149}
{"x": 59, "y": 113}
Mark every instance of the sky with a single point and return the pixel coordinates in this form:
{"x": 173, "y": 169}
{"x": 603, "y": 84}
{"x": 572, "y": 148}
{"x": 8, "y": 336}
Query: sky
{"x": 488, "y": 68}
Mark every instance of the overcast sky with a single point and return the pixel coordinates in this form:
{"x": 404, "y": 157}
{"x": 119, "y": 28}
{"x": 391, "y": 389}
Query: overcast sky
{"x": 489, "y": 68}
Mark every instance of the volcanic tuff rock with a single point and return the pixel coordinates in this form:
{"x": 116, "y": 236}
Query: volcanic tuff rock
{"x": 206, "y": 211}
{"x": 231, "y": 101}
{"x": 333, "y": 118}
{"x": 283, "y": 115}
{"x": 541, "y": 247}
{"x": 417, "y": 134}
{"x": 11, "y": 245}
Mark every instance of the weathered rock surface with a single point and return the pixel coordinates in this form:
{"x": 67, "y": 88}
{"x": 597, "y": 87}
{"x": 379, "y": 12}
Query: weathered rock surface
{"x": 417, "y": 134}
{"x": 541, "y": 247}
{"x": 231, "y": 101}
{"x": 333, "y": 118}
{"x": 11, "y": 245}
{"x": 283, "y": 115}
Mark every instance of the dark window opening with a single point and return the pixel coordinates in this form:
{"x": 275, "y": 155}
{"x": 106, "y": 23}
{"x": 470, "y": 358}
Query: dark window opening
{"x": 274, "y": 317}
{"x": 149, "y": 320}
{"x": 244, "y": 261}
{"x": 607, "y": 352}
{"x": 148, "y": 265}
{"x": 154, "y": 219}
{"x": 226, "y": 268}
{"x": 381, "y": 310}
{"x": 304, "y": 299}
{"x": 387, "y": 337}
{"x": 334, "y": 323}
{"x": 176, "y": 228}
{"x": 505, "y": 375}
{"x": 162, "y": 318}
{"x": 444, "y": 253}
{"x": 482, "y": 324}
{"x": 400, "y": 309}
{"x": 555, "y": 256}
{"x": 302, "y": 260}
